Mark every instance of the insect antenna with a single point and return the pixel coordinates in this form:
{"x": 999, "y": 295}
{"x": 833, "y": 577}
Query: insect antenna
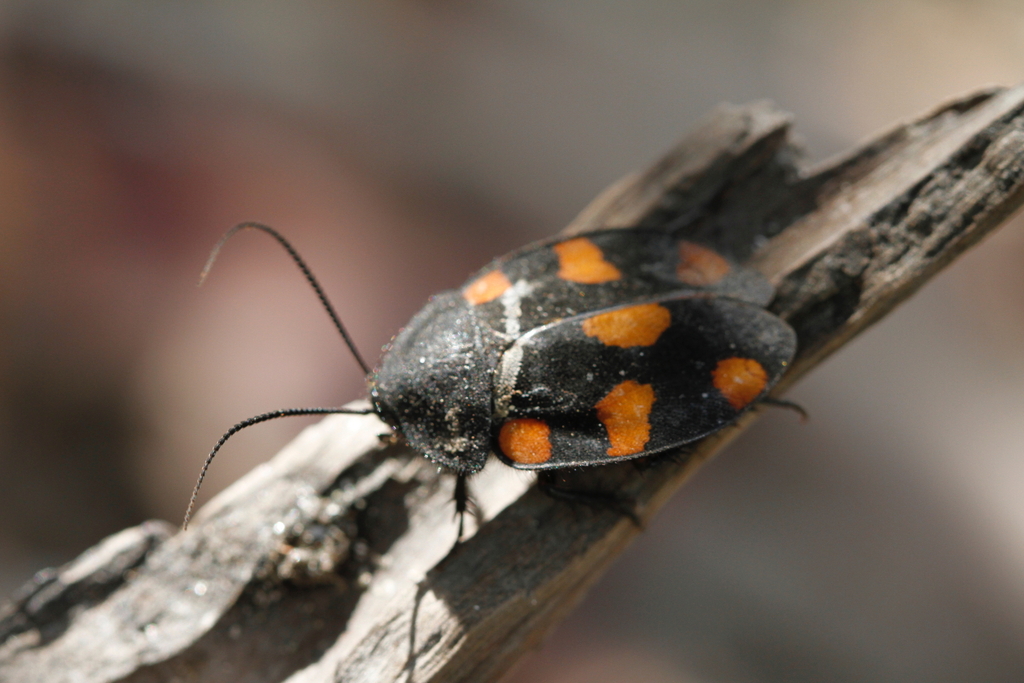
{"x": 305, "y": 271}
{"x": 256, "y": 419}
{"x": 286, "y": 412}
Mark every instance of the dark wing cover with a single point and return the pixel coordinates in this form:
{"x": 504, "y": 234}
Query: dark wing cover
{"x": 597, "y": 270}
{"x": 596, "y": 398}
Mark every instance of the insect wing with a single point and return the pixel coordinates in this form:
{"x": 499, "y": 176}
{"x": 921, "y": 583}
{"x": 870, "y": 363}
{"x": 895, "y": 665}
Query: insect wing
{"x": 634, "y": 380}
{"x": 598, "y": 270}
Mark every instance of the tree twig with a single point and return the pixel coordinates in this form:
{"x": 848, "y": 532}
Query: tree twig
{"x": 329, "y": 563}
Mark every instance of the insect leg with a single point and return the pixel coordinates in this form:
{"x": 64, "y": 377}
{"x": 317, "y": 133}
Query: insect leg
{"x": 461, "y": 502}
{"x": 601, "y": 500}
{"x": 675, "y": 456}
{"x": 464, "y": 503}
{"x": 788, "y": 405}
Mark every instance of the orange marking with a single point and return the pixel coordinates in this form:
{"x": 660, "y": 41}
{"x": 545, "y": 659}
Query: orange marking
{"x": 699, "y": 266}
{"x": 634, "y": 326}
{"x": 486, "y": 288}
{"x": 526, "y": 441}
{"x": 580, "y": 260}
{"x": 624, "y": 413}
{"x": 740, "y": 380}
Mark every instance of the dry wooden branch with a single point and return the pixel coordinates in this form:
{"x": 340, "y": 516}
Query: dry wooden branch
{"x": 329, "y": 563}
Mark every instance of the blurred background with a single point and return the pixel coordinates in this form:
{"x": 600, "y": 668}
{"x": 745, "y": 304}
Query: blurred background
{"x": 400, "y": 145}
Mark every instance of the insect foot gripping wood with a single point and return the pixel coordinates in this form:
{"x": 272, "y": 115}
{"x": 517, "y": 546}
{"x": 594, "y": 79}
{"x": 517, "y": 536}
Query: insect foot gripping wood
{"x": 590, "y": 350}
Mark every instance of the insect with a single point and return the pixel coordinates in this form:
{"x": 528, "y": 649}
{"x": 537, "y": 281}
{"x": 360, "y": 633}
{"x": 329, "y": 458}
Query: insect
{"x": 575, "y": 351}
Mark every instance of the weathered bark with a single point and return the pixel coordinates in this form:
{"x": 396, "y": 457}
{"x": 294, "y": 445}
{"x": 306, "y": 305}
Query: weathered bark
{"x": 329, "y": 563}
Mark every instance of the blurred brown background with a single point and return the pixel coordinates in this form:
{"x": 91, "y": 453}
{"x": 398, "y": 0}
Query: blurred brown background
{"x": 400, "y": 145}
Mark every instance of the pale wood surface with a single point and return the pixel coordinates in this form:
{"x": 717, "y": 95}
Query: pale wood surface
{"x": 328, "y": 563}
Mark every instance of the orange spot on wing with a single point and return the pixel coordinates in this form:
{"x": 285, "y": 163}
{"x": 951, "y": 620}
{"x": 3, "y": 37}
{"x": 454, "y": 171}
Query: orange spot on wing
{"x": 526, "y": 441}
{"x": 700, "y": 266}
{"x": 580, "y": 260}
{"x": 634, "y": 326}
{"x": 740, "y": 380}
{"x": 624, "y": 413}
{"x": 486, "y": 288}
